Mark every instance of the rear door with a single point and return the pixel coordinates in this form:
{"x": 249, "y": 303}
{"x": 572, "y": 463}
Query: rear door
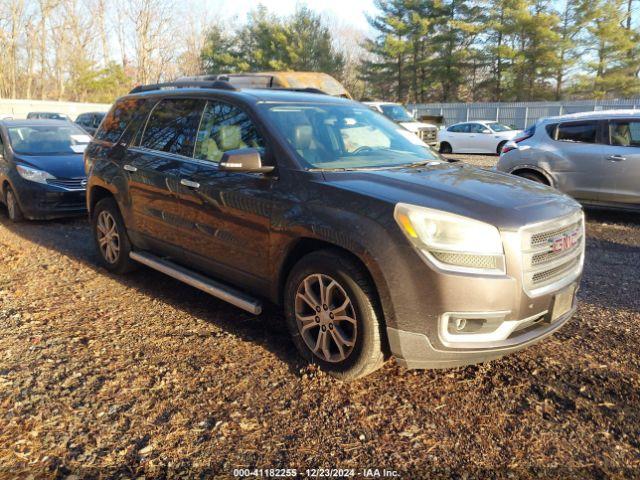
{"x": 228, "y": 213}
{"x": 456, "y": 137}
{"x": 580, "y": 165}
{"x": 154, "y": 164}
{"x": 621, "y": 175}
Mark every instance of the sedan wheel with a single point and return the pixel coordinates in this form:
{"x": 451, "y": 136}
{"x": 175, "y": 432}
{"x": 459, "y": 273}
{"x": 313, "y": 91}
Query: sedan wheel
{"x": 108, "y": 238}
{"x": 326, "y": 318}
{"x": 13, "y": 208}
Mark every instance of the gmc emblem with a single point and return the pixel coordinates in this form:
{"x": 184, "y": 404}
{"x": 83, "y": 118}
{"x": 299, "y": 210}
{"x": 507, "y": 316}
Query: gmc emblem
{"x": 564, "y": 242}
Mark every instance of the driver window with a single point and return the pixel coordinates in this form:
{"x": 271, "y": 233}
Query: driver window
{"x": 625, "y": 133}
{"x": 476, "y": 128}
{"x": 225, "y": 127}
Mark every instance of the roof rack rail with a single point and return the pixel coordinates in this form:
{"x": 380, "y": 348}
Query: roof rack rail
{"x": 218, "y": 84}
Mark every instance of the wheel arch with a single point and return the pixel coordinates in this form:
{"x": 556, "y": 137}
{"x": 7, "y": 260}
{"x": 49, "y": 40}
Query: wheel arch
{"x": 533, "y": 169}
{"x": 96, "y": 194}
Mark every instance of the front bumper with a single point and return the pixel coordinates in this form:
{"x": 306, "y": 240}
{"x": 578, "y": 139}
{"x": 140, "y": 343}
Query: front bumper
{"x": 414, "y": 350}
{"x": 44, "y": 202}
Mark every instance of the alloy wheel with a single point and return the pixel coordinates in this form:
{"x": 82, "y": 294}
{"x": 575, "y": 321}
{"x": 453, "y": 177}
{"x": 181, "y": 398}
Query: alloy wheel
{"x": 326, "y": 318}
{"x": 108, "y": 238}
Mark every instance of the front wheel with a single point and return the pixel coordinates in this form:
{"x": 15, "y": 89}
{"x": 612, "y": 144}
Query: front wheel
{"x": 13, "y": 207}
{"x": 445, "y": 147}
{"x": 332, "y": 314}
{"x": 110, "y": 236}
{"x": 500, "y": 147}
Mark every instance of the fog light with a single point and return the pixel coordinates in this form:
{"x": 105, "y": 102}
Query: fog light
{"x": 459, "y": 326}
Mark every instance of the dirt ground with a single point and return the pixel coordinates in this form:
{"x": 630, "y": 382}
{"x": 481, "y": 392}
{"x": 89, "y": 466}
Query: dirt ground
{"x": 140, "y": 376}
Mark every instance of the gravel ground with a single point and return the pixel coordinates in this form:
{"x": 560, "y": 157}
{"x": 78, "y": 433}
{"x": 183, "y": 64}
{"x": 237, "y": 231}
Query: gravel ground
{"x": 479, "y": 160}
{"x": 106, "y": 376}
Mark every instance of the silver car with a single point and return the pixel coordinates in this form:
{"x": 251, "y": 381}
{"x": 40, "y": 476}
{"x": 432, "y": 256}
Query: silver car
{"x": 594, "y": 156}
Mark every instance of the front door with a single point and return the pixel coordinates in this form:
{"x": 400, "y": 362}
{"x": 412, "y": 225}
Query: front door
{"x": 154, "y": 165}
{"x": 621, "y": 175}
{"x": 229, "y": 212}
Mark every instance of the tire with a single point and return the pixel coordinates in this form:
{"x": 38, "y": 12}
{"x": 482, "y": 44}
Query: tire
{"x": 500, "y": 147}
{"x": 106, "y": 222}
{"x": 533, "y": 176}
{"x": 13, "y": 207}
{"x": 359, "y": 323}
{"x": 445, "y": 147}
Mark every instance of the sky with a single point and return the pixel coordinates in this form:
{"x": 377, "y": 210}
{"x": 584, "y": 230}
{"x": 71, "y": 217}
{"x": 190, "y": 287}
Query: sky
{"x": 349, "y": 12}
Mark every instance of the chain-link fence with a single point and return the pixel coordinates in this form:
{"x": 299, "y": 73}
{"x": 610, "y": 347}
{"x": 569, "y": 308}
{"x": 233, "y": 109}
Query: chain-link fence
{"x": 517, "y": 115}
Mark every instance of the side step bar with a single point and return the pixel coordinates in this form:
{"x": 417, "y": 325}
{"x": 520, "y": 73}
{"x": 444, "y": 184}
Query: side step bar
{"x": 216, "y": 289}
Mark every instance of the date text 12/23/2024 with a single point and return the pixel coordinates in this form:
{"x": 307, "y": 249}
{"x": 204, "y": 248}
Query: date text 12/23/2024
{"x": 316, "y": 473}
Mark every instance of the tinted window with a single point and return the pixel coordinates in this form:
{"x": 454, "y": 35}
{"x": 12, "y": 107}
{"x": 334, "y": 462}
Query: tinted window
{"x": 551, "y": 130}
{"x": 117, "y": 120}
{"x": 225, "y": 127}
{"x": 172, "y": 126}
{"x": 464, "y": 128}
{"x": 498, "y": 127}
{"x": 625, "y": 133}
{"x": 583, "y": 132}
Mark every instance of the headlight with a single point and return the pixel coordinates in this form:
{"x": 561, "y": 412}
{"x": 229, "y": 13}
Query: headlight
{"x": 33, "y": 175}
{"x": 452, "y": 242}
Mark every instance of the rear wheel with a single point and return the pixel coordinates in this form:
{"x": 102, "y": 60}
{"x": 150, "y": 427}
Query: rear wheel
{"x": 13, "y": 208}
{"x": 332, "y": 314}
{"x": 445, "y": 147}
{"x": 500, "y": 147}
{"x": 533, "y": 176}
{"x": 110, "y": 236}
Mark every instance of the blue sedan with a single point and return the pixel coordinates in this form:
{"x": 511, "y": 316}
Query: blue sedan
{"x": 42, "y": 169}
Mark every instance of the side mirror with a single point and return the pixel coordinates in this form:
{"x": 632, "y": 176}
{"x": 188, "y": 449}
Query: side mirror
{"x": 486, "y": 130}
{"x": 245, "y": 160}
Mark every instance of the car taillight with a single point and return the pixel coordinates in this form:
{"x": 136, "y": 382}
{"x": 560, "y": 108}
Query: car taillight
{"x": 508, "y": 148}
{"x": 523, "y": 137}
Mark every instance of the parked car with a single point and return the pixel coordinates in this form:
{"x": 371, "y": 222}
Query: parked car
{"x": 399, "y": 114}
{"x": 476, "y": 137}
{"x": 593, "y": 156}
{"x": 371, "y": 243}
{"x": 90, "y": 121}
{"x": 47, "y": 116}
{"x": 41, "y": 168}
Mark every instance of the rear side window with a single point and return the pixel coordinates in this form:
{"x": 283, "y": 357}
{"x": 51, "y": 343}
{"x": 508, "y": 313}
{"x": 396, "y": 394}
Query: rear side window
{"x": 173, "y": 125}
{"x": 118, "y": 119}
{"x": 579, "y": 132}
{"x": 624, "y": 133}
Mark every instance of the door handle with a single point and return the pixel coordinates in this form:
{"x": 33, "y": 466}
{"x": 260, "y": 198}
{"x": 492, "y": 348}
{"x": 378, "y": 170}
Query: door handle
{"x": 189, "y": 183}
{"x": 616, "y": 158}
{"x": 130, "y": 168}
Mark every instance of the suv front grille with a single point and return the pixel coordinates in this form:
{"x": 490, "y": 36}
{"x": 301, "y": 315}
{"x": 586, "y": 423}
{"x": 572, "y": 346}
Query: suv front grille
{"x": 553, "y": 253}
{"x": 428, "y": 135}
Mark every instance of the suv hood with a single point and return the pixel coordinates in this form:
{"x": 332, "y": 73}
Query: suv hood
{"x": 416, "y": 126}
{"x": 60, "y": 166}
{"x": 503, "y": 200}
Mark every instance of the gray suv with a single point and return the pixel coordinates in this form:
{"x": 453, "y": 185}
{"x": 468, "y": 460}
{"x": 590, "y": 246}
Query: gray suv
{"x": 372, "y": 244}
{"x": 594, "y": 157}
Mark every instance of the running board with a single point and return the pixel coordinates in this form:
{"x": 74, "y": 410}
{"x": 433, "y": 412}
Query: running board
{"x": 216, "y": 289}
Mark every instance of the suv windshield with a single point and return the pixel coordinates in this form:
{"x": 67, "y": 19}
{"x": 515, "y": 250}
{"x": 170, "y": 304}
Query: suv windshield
{"x": 397, "y": 113}
{"x": 48, "y": 139}
{"x": 498, "y": 127}
{"x": 347, "y": 137}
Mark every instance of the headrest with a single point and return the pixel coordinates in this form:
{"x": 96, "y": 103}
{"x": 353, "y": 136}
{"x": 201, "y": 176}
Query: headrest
{"x": 229, "y": 137}
{"x": 302, "y": 135}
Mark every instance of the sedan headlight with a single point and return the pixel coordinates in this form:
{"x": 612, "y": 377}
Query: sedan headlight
{"x": 452, "y": 242}
{"x": 33, "y": 175}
